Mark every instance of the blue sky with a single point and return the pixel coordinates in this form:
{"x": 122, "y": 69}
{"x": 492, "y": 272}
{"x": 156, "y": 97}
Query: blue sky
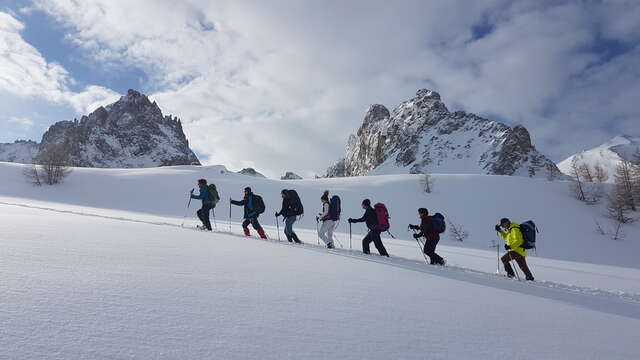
{"x": 255, "y": 82}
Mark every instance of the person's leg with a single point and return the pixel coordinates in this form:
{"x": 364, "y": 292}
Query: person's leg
{"x": 331, "y": 225}
{"x": 259, "y": 229}
{"x": 429, "y": 250}
{"x": 377, "y": 241}
{"x": 522, "y": 263}
{"x": 506, "y": 258}
{"x": 324, "y": 231}
{"x": 438, "y": 258}
{"x": 205, "y": 217}
{"x": 245, "y": 227}
{"x": 365, "y": 243}
{"x": 294, "y": 236}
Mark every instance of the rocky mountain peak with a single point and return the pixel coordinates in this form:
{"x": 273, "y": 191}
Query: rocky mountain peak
{"x": 131, "y": 132}
{"x": 421, "y": 134}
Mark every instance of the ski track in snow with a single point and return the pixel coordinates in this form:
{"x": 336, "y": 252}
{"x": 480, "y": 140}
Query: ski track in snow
{"x": 627, "y": 304}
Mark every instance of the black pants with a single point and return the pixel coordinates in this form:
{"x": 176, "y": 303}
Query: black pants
{"x": 430, "y": 250}
{"x": 375, "y": 237}
{"x": 203, "y": 215}
{"x": 253, "y": 221}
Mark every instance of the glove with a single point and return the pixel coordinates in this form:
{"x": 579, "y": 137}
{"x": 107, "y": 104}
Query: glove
{"x": 317, "y": 218}
{"x": 350, "y": 220}
{"x": 507, "y": 247}
{"x": 191, "y": 192}
{"x": 414, "y": 227}
{"x": 277, "y": 214}
{"x": 416, "y": 236}
{"x": 498, "y": 228}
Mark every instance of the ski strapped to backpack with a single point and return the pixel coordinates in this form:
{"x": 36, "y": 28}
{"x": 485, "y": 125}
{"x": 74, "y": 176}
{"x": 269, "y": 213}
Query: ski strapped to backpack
{"x": 439, "y": 225}
{"x": 297, "y": 207}
{"x": 334, "y": 208}
{"x": 528, "y": 230}
{"x": 213, "y": 195}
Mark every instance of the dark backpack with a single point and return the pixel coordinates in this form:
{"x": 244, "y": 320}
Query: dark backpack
{"x": 334, "y": 208}
{"x": 528, "y": 230}
{"x": 213, "y": 196}
{"x": 258, "y": 204}
{"x": 439, "y": 225}
{"x": 383, "y": 217}
{"x": 296, "y": 204}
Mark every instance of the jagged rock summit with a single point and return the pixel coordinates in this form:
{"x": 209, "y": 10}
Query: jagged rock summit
{"x": 291, "y": 176}
{"x": 130, "y": 133}
{"x": 421, "y": 134}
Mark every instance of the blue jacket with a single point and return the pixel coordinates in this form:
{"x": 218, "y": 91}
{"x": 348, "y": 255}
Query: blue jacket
{"x": 204, "y": 196}
{"x": 247, "y": 202}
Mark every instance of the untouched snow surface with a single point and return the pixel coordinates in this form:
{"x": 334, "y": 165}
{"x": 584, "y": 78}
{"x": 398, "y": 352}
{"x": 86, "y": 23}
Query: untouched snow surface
{"x": 99, "y": 268}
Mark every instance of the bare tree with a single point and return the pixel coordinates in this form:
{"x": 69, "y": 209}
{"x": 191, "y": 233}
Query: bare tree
{"x": 553, "y": 173}
{"x": 576, "y": 185}
{"x": 456, "y": 232}
{"x": 624, "y": 184}
{"x": 31, "y": 172}
{"x": 586, "y": 173}
{"x": 600, "y": 174}
{"x": 54, "y": 162}
{"x": 618, "y": 207}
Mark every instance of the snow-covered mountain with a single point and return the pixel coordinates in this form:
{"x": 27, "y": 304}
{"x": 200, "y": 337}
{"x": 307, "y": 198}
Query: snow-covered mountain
{"x": 608, "y": 155}
{"x": 130, "y": 133}
{"x": 20, "y": 151}
{"x": 291, "y": 176}
{"x": 421, "y": 134}
{"x": 251, "y": 172}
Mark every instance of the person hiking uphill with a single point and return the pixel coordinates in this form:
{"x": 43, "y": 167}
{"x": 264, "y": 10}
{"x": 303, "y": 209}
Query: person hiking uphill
{"x": 371, "y": 220}
{"x": 209, "y": 200}
{"x": 326, "y": 230}
{"x": 432, "y": 237}
{"x": 513, "y": 240}
{"x": 253, "y": 207}
{"x": 290, "y": 210}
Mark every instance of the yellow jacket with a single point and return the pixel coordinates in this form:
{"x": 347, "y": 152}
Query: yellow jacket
{"x": 513, "y": 238}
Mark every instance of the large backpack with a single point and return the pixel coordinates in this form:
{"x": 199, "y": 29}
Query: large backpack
{"x": 258, "y": 204}
{"x": 213, "y": 196}
{"x": 439, "y": 225}
{"x": 334, "y": 208}
{"x": 383, "y": 217}
{"x": 296, "y": 204}
{"x": 528, "y": 230}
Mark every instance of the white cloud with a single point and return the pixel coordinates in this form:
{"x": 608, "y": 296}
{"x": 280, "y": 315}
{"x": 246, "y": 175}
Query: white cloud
{"x": 24, "y": 122}
{"x": 26, "y": 73}
{"x": 279, "y": 85}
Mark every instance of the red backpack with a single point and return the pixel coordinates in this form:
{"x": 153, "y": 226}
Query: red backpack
{"x": 383, "y": 217}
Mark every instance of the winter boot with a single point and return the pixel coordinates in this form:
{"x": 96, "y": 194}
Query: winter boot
{"x": 330, "y": 246}
{"x": 289, "y": 237}
{"x": 295, "y": 238}
{"x": 261, "y": 233}
{"x": 246, "y": 231}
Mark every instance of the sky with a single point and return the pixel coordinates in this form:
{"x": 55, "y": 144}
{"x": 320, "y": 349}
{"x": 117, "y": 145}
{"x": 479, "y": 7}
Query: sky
{"x": 279, "y": 85}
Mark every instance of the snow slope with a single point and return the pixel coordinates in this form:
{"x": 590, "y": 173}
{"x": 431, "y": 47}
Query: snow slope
{"x": 608, "y": 155}
{"x": 87, "y": 287}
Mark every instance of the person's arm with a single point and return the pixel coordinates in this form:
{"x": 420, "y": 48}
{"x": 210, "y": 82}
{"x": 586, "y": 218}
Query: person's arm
{"x": 200, "y": 196}
{"x": 236, "y": 202}
{"x": 284, "y": 206}
{"x": 359, "y": 220}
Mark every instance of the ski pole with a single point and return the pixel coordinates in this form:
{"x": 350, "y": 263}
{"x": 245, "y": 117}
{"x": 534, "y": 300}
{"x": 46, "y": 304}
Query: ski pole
{"x": 186, "y": 209}
{"x": 350, "y": 248}
{"x": 215, "y": 224}
{"x": 335, "y": 236}
{"x": 318, "y": 230}
{"x": 498, "y": 254}
{"x": 511, "y": 263}
{"x": 278, "y": 227}
{"x": 420, "y": 247}
{"x": 229, "y": 214}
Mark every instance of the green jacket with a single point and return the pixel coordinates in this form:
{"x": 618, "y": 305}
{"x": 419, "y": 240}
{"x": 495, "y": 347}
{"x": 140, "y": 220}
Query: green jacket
{"x": 513, "y": 238}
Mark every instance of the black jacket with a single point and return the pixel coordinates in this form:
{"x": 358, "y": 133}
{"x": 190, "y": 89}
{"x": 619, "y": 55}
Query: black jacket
{"x": 370, "y": 218}
{"x": 427, "y": 228}
{"x": 288, "y": 208}
{"x": 249, "y": 205}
